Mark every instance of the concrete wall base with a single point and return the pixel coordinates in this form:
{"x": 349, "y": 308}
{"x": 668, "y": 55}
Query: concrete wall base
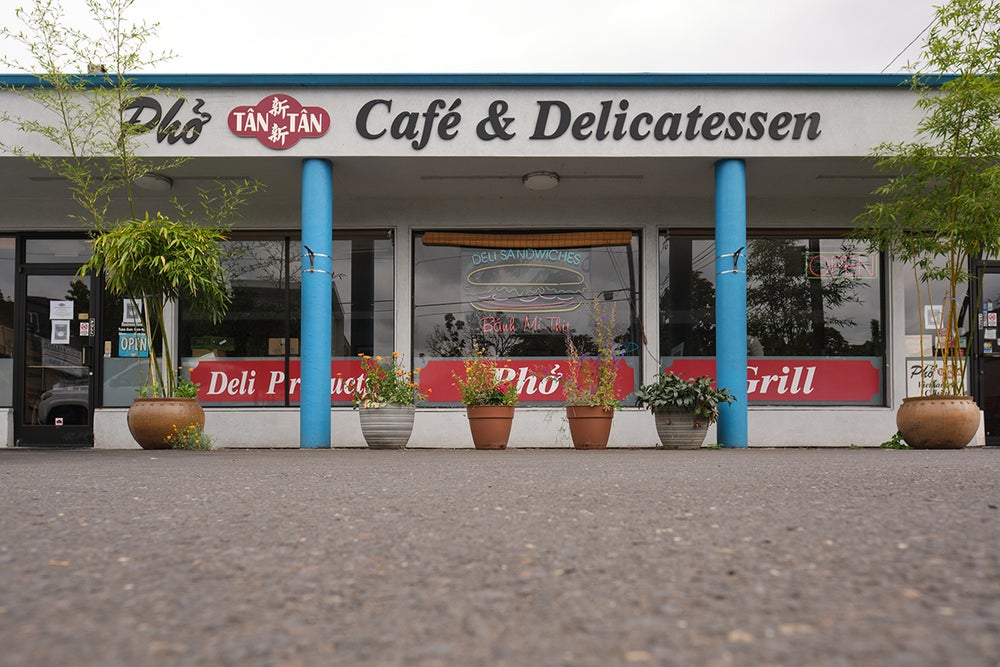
{"x": 533, "y": 427}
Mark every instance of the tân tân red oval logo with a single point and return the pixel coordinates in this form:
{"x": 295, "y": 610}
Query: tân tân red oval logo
{"x": 279, "y": 121}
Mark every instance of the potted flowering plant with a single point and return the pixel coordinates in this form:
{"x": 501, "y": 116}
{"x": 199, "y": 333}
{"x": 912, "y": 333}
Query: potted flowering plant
{"x": 683, "y": 408}
{"x": 386, "y": 401}
{"x": 489, "y": 403}
{"x": 589, "y": 382}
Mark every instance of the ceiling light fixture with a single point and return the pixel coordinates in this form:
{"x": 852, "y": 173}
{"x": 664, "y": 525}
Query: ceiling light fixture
{"x": 154, "y": 182}
{"x": 540, "y": 180}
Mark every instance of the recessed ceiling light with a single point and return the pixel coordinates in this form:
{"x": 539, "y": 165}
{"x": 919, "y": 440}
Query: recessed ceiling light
{"x": 540, "y": 180}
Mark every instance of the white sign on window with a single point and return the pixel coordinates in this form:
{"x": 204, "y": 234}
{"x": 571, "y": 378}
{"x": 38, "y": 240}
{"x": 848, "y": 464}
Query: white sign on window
{"x": 60, "y": 332}
{"x": 932, "y": 317}
{"x": 60, "y": 310}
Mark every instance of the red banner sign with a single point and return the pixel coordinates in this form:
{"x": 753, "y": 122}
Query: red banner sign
{"x": 800, "y": 380}
{"x": 262, "y": 381}
{"x": 279, "y": 121}
{"x": 536, "y": 379}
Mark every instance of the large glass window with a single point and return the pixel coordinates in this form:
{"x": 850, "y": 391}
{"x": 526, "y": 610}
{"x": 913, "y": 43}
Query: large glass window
{"x": 809, "y": 301}
{"x": 6, "y": 320}
{"x": 57, "y": 251}
{"x": 926, "y": 307}
{"x": 256, "y": 324}
{"x": 519, "y": 296}
{"x": 925, "y": 301}
{"x": 252, "y": 356}
{"x": 125, "y": 351}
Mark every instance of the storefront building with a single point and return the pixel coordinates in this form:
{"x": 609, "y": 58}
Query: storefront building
{"x": 494, "y": 208}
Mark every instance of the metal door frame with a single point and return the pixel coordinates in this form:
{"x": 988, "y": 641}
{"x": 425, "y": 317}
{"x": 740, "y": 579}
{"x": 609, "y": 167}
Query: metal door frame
{"x": 44, "y": 435}
{"x": 980, "y": 269}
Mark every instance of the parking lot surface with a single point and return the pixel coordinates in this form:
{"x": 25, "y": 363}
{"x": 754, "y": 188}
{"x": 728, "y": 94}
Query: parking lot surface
{"x": 519, "y": 558}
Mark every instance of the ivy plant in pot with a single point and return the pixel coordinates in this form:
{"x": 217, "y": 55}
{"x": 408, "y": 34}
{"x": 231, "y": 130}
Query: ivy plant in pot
{"x": 683, "y": 409}
{"x": 386, "y": 401}
{"x": 938, "y": 209}
{"x": 489, "y": 403}
{"x": 592, "y": 365}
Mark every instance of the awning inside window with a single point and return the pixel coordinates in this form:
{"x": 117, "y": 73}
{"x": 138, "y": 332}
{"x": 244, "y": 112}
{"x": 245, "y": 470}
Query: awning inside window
{"x": 584, "y": 239}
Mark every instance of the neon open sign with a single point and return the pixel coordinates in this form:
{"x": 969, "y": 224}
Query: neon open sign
{"x": 841, "y": 265}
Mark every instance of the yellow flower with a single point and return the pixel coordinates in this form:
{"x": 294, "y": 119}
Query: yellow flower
{"x": 395, "y": 355}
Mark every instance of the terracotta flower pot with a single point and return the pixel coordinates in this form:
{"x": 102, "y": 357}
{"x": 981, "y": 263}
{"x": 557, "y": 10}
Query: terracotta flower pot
{"x": 938, "y": 422}
{"x": 388, "y": 426}
{"x": 589, "y": 426}
{"x": 151, "y": 420}
{"x": 490, "y": 425}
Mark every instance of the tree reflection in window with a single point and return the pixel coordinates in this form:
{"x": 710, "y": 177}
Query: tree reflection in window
{"x": 793, "y": 313}
{"x": 793, "y": 308}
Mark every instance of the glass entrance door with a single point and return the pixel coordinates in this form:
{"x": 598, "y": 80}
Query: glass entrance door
{"x": 54, "y": 367}
{"x": 986, "y": 349}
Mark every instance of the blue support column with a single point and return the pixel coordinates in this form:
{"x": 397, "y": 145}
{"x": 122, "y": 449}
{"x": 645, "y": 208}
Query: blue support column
{"x": 317, "y": 303}
{"x": 731, "y": 298}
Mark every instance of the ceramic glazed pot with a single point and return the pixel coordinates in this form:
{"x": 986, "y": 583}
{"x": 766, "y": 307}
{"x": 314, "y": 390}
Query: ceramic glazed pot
{"x": 938, "y": 422}
{"x": 387, "y": 427}
{"x": 677, "y": 429}
{"x": 589, "y": 426}
{"x": 151, "y": 420}
{"x": 490, "y": 425}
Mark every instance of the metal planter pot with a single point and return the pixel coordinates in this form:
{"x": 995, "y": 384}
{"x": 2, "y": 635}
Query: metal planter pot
{"x": 388, "y": 426}
{"x": 678, "y": 429}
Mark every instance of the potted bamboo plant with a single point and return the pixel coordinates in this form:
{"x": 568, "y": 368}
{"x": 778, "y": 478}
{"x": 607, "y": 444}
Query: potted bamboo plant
{"x": 149, "y": 262}
{"x": 148, "y": 258}
{"x": 938, "y": 210}
{"x": 682, "y": 408}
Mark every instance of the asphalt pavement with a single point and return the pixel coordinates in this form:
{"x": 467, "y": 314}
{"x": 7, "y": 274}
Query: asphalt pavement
{"x": 511, "y": 558}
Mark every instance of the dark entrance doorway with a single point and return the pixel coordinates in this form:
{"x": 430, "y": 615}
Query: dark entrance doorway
{"x": 986, "y": 351}
{"x": 55, "y": 345}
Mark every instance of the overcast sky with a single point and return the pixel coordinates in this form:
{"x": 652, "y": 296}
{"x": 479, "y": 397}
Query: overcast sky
{"x": 414, "y": 36}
